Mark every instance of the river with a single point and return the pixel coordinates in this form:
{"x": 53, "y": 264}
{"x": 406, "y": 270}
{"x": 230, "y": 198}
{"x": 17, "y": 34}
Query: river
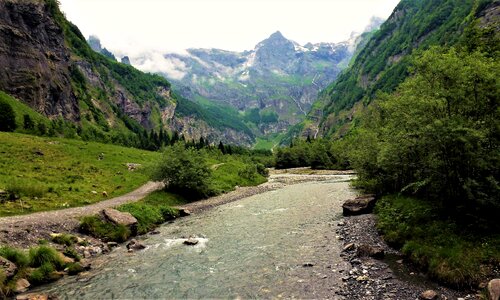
{"x": 279, "y": 243}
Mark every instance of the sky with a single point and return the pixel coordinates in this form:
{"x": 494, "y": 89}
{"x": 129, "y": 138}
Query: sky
{"x": 135, "y": 26}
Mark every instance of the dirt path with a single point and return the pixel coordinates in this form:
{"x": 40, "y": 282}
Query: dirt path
{"x": 28, "y": 229}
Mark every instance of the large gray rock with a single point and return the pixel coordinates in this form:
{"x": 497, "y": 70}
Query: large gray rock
{"x": 135, "y": 245}
{"x": 359, "y": 205}
{"x": 8, "y": 267}
{"x": 494, "y": 289}
{"x": 119, "y": 218}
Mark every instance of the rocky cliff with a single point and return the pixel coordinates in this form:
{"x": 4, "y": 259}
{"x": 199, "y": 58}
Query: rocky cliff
{"x": 34, "y": 61}
{"x": 46, "y": 63}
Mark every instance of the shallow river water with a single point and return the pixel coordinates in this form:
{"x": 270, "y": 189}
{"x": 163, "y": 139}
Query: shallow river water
{"x": 277, "y": 244}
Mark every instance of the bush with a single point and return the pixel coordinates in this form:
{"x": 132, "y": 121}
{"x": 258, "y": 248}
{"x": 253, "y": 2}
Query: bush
{"x": 71, "y": 252}
{"x": 41, "y": 274}
{"x": 184, "y": 171}
{"x": 7, "y": 117}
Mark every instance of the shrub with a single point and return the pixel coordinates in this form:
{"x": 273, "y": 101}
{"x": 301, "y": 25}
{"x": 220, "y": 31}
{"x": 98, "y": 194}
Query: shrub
{"x": 75, "y": 268}
{"x": 71, "y": 252}
{"x": 7, "y": 117}
{"x": 184, "y": 171}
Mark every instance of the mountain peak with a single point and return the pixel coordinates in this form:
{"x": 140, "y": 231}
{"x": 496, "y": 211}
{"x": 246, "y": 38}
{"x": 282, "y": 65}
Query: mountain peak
{"x": 276, "y": 36}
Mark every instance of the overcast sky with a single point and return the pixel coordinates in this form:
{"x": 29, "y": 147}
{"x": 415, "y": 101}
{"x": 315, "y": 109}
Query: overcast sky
{"x": 132, "y": 26}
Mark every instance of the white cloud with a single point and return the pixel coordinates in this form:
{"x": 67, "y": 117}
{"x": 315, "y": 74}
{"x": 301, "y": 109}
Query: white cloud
{"x": 134, "y": 26}
{"x": 154, "y": 62}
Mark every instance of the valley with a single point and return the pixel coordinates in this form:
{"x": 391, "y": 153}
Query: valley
{"x": 153, "y": 163}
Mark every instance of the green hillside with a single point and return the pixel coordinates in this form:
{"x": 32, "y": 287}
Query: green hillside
{"x": 41, "y": 173}
{"x": 385, "y": 60}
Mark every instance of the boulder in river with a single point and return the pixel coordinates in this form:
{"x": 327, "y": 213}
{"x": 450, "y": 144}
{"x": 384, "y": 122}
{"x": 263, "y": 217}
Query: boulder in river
{"x": 119, "y": 218}
{"x": 359, "y": 205}
{"x": 191, "y": 241}
{"x": 494, "y": 289}
{"x": 8, "y": 267}
{"x": 135, "y": 245}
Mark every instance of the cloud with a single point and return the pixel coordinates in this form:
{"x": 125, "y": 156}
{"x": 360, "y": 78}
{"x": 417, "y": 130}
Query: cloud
{"x": 155, "y": 62}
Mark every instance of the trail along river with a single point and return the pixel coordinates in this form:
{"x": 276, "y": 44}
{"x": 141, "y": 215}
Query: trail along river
{"x": 279, "y": 243}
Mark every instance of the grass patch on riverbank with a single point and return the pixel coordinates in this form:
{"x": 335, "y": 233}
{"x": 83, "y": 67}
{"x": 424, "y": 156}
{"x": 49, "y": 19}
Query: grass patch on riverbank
{"x": 451, "y": 253}
{"x": 153, "y": 210}
{"x": 38, "y": 265}
{"x": 40, "y": 173}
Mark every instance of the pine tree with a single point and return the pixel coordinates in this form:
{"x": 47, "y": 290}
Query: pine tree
{"x": 7, "y": 117}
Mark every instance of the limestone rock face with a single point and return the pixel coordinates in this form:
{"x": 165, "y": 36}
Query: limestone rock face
{"x": 494, "y": 289}
{"x": 34, "y": 61}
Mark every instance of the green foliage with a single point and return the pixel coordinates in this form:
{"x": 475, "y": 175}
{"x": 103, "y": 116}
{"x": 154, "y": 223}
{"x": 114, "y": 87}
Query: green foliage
{"x": 42, "y": 255}
{"x": 449, "y": 252}
{"x": 7, "y": 117}
{"x": 66, "y": 173}
{"x": 438, "y": 135}
{"x": 317, "y": 154}
{"x": 75, "y": 268}
{"x": 18, "y": 257}
{"x": 71, "y": 252}
{"x": 184, "y": 171}
{"x": 148, "y": 215}
{"x": 41, "y": 274}
{"x": 383, "y": 63}
{"x": 65, "y": 239}
{"x": 94, "y": 226}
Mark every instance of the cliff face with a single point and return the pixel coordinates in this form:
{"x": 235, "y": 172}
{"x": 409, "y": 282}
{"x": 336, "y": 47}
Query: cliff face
{"x": 34, "y": 61}
{"x": 46, "y": 63}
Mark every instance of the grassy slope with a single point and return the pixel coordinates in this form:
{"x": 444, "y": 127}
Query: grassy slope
{"x": 69, "y": 169}
{"x": 21, "y": 109}
{"x": 450, "y": 253}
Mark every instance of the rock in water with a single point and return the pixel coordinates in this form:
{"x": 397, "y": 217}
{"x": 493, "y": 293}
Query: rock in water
{"x": 358, "y": 206}
{"x": 33, "y": 297}
{"x": 494, "y": 289}
{"x": 135, "y": 245}
{"x": 119, "y": 218}
{"x": 184, "y": 212}
{"x": 429, "y": 295}
{"x": 191, "y": 242}
{"x": 8, "y": 267}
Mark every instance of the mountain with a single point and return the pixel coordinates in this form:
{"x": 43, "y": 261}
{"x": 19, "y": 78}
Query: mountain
{"x": 383, "y": 62}
{"x": 46, "y": 63}
{"x": 270, "y": 87}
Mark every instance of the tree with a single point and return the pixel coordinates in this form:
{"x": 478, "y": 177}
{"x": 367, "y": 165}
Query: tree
{"x": 222, "y": 148}
{"x": 184, "y": 171}
{"x": 7, "y": 117}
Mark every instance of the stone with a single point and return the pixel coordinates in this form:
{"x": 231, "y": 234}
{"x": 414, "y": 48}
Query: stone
{"x": 22, "y": 285}
{"x": 112, "y": 244}
{"x": 365, "y": 250}
{"x": 8, "y": 267}
{"x": 359, "y": 205}
{"x": 93, "y": 192}
{"x": 132, "y": 166}
{"x": 191, "y": 242}
{"x": 135, "y": 245}
{"x": 308, "y": 265}
{"x": 348, "y": 247}
{"x": 65, "y": 259}
{"x": 32, "y": 297}
{"x": 429, "y": 295}
{"x": 104, "y": 194}
{"x": 184, "y": 212}
{"x": 119, "y": 218}
{"x": 494, "y": 289}
{"x": 362, "y": 278}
